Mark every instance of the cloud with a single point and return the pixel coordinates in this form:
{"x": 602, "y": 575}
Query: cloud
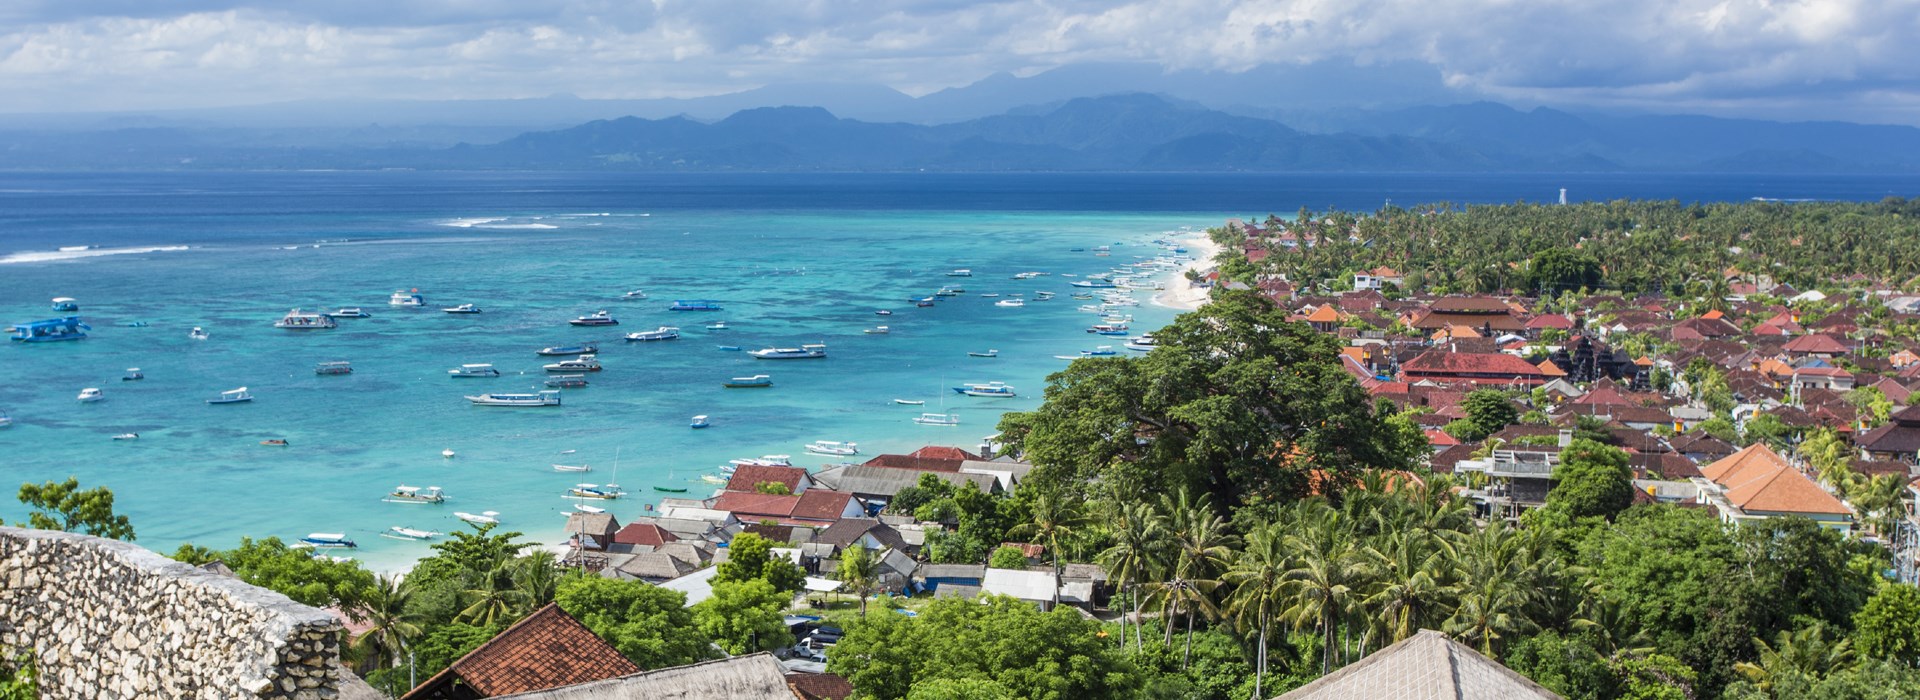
{"x": 1778, "y": 56}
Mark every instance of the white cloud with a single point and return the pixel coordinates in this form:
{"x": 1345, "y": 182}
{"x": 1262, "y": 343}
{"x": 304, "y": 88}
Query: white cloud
{"x": 1720, "y": 53}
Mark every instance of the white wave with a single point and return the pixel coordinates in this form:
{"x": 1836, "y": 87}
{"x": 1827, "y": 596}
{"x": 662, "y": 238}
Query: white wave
{"x": 577, "y": 216}
{"x": 470, "y": 223}
{"x": 515, "y": 226}
{"x": 73, "y": 248}
{"x": 67, "y": 254}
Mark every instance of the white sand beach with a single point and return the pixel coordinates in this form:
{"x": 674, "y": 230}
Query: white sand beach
{"x": 1181, "y": 294}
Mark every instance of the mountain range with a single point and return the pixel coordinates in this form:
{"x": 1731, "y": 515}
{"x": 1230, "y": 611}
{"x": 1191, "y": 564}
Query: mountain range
{"x": 1120, "y": 132}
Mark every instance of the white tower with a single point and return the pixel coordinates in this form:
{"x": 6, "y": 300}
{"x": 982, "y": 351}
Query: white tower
{"x": 1563, "y": 196}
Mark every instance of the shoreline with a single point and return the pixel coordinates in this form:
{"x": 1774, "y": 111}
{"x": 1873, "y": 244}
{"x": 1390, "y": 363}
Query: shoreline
{"x": 1181, "y": 294}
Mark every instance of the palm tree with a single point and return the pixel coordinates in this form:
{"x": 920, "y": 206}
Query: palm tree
{"x": 536, "y": 575}
{"x": 1139, "y": 538}
{"x": 1326, "y": 568}
{"x": 1202, "y": 549}
{"x": 1053, "y": 521}
{"x": 1256, "y": 577}
{"x": 1493, "y": 593}
{"x": 860, "y": 571}
{"x": 1880, "y": 498}
{"x": 1416, "y": 581}
{"x": 1806, "y": 650}
{"x": 1610, "y": 622}
{"x": 390, "y": 626}
{"x": 494, "y": 596}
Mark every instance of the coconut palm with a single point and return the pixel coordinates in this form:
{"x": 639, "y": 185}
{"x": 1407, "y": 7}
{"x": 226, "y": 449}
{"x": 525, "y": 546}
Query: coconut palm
{"x": 1326, "y": 568}
{"x": 1202, "y": 549}
{"x": 1255, "y": 578}
{"x": 1416, "y": 581}
{"x": 536, "y": 575}
{"x": 390, "y": 626}
{"x": 1494, "y": 589}
{"x": 861, "y": 572}
{"x": 1806, "y": 650}
{"x": 494, "y": 596}
{"x": 1054, "y": 521}
{"x": 1139, "y": 541}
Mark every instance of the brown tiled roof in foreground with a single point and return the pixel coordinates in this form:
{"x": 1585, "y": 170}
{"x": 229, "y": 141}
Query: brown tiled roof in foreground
{"x": 1425, "y": 665}
{"x": 547, "y": 649}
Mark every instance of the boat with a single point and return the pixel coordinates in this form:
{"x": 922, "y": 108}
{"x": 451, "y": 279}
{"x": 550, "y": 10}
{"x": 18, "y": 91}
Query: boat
{"x": 414, "y": 494}
{"x": 407, "y": 533}
{"x": 474, "y": 370}
{"x": 462, "y": 309}
{"x": 297, "y": 320}
{"x": 486, "y": 517}
{"x": 763, "y": 461}
{"x": 1094, "y": 283}
{"x": 989, "y": 353}
{"x": 1142, "y": 343}
{"x": 335, "y": 367}
{"x": 91, "y": 394}
{"x": 595, "y": 492}
{"x": 1010, "y": 303}
{"x": 407, "y": 298}
{"x": 239, "y": 395}
{"x": 447, "y": 453}
{"x": 758, "y": 381}
{"x": 274, "y": 442}
{"x": 133, "y": 375}
{"x": 584, "y": 508}
{"x": 711, "y": 479}
{"x": 878, "y": 330}
{"x": 883, "y": 312}
{"x": 698, "y": 422}
{"x": 717, "y": 326}
{"x": 633, "y": 295}
{"x": 560, "y": 350}
{"x": 583, "y": 363}
{"x": 328, "y": 540}
{"x": 349, "y": 312}
{"x": 549, "y": 397}
{"x": 990, "y": 295}
{"x": 729, "y": 348}
{"x": 1108, "y": 328}
{"x": 661, "y": 333}
{"x": 1042, "y": 296}
{"x": 948, "y": 292}
{"x": 671, "y": 489}
{"x": 198, "y": 334}
{"x": 5, "y": 420}
{"x": 998, "y": 390}
{"x": 568, "y": 381}
{"x": 909, "y": 402}
{"x": 942, "y": 419}
{"x": 51, "y": 330}
{"x": 694, "y": 305}
{"x": 923, "y": 303}
{"x": 829, "y": 447}
{"x": 572, "y": 468}
{"x": 135, "y": 324}
{"x": 960, "y": 273}
{"x": 65, "y": 304}
{"x": 597, "y": 318}
{"x": 127, "y": 436}
{"x": 805, "y": 352}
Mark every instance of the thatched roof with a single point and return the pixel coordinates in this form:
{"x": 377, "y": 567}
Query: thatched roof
{"x": 751, "y": 677}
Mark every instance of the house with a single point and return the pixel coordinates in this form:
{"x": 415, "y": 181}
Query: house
{"x": 547, "y": 649}
{"x": 1427, "y": 665}
{"x": 930, "y": 577}
{"x": 1325, "y": 319}
{"x": 592, "y": 531}
{"x": 1832, "y": 378}
{"x": 1815, "y": 345}
{"x": 1487, "y": 369}
{"x": 1486, "y": 314}
{"x": 816, "y": 507}
{"x": 1898, "y": 440}
{"x": 1033, "y": 586}
{"x": 1756, "y": 483}
{"x": 1377, "y": 278}
{"x": 750, "y": 677}
{"x": 749, "y": 478}
{"x": 881, "y": 484}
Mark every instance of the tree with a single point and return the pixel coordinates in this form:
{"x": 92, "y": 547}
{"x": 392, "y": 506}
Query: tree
{"x": 1592, "y": 480}
{"x": 1202, "y": 550}
{"x": 1889, "y": 626}
{"x": 1257, "y": 597}
{"x": 960, "y": 689}
{"x": 1007, "y": 557}
{"x": 750, "y": 556}
{"x": 744, "y": 616}
{"x": 1488, "y": 410}
{"x": 294, "y": 573}
{"x": 773, "y": 488}
{"x": 66, "y": 507}
{"x": 493, "y": 596}
{"x": 1056, "y": 655}
{"x": 464, "y": 553}
{"x": 861, "y": 572}
{"x": 1326, "y": 569}
{"x": 1054, "y": 521}
{"x": 1561, "y": 269}
{"x": 390, "y": 625}
{"x": 650, "y": 625}
{"x": 1139, "y": 540}
{"x": 1805, "y": 651}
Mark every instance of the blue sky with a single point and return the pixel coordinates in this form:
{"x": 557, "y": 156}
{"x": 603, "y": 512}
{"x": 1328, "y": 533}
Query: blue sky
{"x": 1800, "y": 59}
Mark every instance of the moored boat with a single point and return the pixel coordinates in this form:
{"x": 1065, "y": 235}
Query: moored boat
{"x": 595, "y": 492}
{"x": 127, "y": 436}
{"x": 633, "y": 295}
{"x": 51, "y": 330}
{"x": 989, "y": 353}
{"x": 910, "y": 402}
{"x": 239, "y": 395}
{"x": 805, "y": 352}
{"x": 549, "y": 397}
{"x": 694, "y": 305}
{"x": 758, "y": 381}
{"x": 568, "y": 381}
{"x": 878, "y": 330}
{"x": 584, "y": 508}
{"x": 883, "y": 312}
{"x": 960, "y": 273}
{"x": 661, "y": 333}
{"x": 829, "y": 447}
{"x": 485, "y": 517}
{"x": 562, "y": 350}
{"x": 66, "y": 304}
{"x": 474, "y": 370}
{"x": 1108, "y": 328}
{"x": 940, "y": 419}
{"x": 462, "y": 309}
{"x": 583, "y": 363}
{"x": 328, "y": 540}
{"x": 414, "y": 494}
{"x": 670, "y": 489}
{"x": 698, "y": 422}
{"x": 335, "y": 367}
{"x": 407, "y": 298}
{"x": 349, "y": 312}
{"x": 5, "y": 420}
{"x": 297, "y": 320}
{"x": 198, "y": 334}
{"x": 1142, "y": 343}
{"x": 133, "y": 375}
{"x": 717, "y": 326}
{"x": 572, "y": 468}
{"x": 407, "y": 533}
{"x": 998, "y": 390}
{"x": 1010, "y": 303}
{"x": 597, "y": 318}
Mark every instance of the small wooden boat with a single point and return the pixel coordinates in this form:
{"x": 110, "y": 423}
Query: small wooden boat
{"x": 275, "y": 442}
{"x": 671, "y": 489}
{"x": 909, "y": 402}
{"x": 572, "y": 468}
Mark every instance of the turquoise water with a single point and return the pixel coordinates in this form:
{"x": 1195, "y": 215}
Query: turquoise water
{"x": 197, "y": 472}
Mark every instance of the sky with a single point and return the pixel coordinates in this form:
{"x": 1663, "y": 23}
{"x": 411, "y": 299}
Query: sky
{"x": 1854, "y": 60}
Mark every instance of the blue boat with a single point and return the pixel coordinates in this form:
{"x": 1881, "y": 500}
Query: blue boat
{"x": 694, "y": 305}
{"x": 328, "y": 540}
{"x": 698, "y": 422}
{"x": 1094, "y": 283}
{"x": 561, "y": 350}
{"x": 66, "y": 304}
{"x": 50, "y": 330}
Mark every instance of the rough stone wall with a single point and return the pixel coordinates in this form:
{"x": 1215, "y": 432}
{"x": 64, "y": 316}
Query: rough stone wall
{"x": 108, "y": 619}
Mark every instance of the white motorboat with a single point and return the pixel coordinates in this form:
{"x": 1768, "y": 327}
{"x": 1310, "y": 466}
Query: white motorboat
{"x": 562, "y": 350}
{"x": 239, "y": 395}
{"x": 407, "y": 533}
{"x": 133, "y": 375}
{"x": 550, "y": 397}
{"x": 572, "y": 468}
{"x": 568, "y": 381}
{"x": 597, "y": 318}
{"x": 414, "y": 494}
{"x": 328, "y": 540}
{"x": 804, "y": 352}
{"x": 584, "y": 508}
{"x": 634, "y": 295}
{"x": 878, "y": 330}
{"x": 407, "y": 299}
{"x": 66, "y": 304}
{"x": 941, "y": 419}
{"x": 349, "y": 312}
{"x": 763, "y": 461}
{"x": 198, "y": 334}
{"x": 487, "y": 517}
{"x": 990, "y": 295}
{"x": 989, "y": 353}
{"x": 998, "y": 390}
{"x": 909, "y": 402}
{"x": 595, "y": 492}
{"x": 5, "y": 420}
{"x": 333, "y": 368}
{"x": 661, "y": 333}
{"x": 297, "y": 320}
{"x": 462, "y": 309}
{"x": 829, "y": 447}
{"x": 127, "y": 436}
{"x": 717, "y": 326}
{"x": 698, "y": 423}
{"x": 758, "y": 381}
{"x": 447, "y": 453}
{"x": 883, "y": 312}
{"x": 1010, "y": 303}
{"x": 91, "y": 394}
{"x": 583, "y": 363}
{"x": 1142, "y": 343}
{"x": 712, "y": 479}
{"x": 960, "y": 273}
{"x": 474, "y": 370}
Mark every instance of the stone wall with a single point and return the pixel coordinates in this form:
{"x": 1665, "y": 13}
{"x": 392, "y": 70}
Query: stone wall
{"x": 108, "y": 619}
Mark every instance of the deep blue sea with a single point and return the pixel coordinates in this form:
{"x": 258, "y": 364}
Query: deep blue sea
{"x": 793, "y": 258}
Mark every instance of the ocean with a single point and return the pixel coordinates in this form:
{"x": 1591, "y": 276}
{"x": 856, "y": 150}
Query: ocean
{"x": 792, "y": 258}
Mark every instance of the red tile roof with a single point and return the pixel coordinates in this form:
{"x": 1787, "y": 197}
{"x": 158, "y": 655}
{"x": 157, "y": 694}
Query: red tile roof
{"x": 917, "y": 463}
{"x": 820, "y": 686}
{"x": 1472, "y": 366}
{"x": 1815, "y": 343}
{"x": 546, "y": 649}
{"x": 821, "y": 504}
{"x": 647, "y": 534}
{"x": 1551, "y": 321}
{"x": 1759, "y": 480}
{"x": 749, "y": 478}
{"x": 815, "y": 505}
{"x": 942, "y": 452}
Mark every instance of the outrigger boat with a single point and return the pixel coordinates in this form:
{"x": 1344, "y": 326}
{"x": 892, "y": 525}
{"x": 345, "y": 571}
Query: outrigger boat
{"x": 414, "y": 494}
{"x": 50, "y": 330}
{"x": 239, "y": 395}
{"x": 661, "y": 333}
{"x": 909, "y": 402}
{"x": 940, "y": 419}
{"x": 349, "y": 312}
{"x": 989, "y": 353}
{"x": 595, "y": 492}
{"x": 633, "y": 295}
{"x": 694, "y": 305}
{"x": 758, "y": 381}
{"x": 583, "y": 363}
{"x": 998, "y": 390}
{"x": 829, "y": 447}
{"x": 330, "y": 368}
{"x": 474, "y": 370}
{"x": 328, "y": 540}
{"x": 407, "y": 533}
{"x": 572, "y": 468}
{"x": 462, "y": 309}
{"x": 485, "y": 517}
{"x": 550, "y": 397}
{"x": 568, "y": 381}
{"x": 809, "y": 351}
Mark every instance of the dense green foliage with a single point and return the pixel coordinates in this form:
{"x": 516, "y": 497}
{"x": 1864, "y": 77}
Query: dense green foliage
{"x": 744, "y": 616}
{"x": 750, "y": 556}
{"x": 296, "y": 573}
{"x": 649, "y": 624}
{"x": 974, "y": 646}
{"x": 1889, "y": 626}
{"x": 1592, "y": 480}
{"x": 1488, "y": 410}
{"x": 63, "y": 505}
